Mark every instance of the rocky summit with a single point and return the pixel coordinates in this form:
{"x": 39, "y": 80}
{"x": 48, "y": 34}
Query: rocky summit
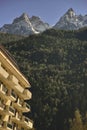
{"x": 71, "y": 21}
{"x": 38, "y": 24}
{"x": 24, "y": 25}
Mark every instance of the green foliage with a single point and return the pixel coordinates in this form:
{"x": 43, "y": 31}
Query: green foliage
{"x": 6, "y": 38}
{"x": 55, "y": 62}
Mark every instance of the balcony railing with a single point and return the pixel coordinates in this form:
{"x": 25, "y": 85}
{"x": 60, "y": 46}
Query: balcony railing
{"x": 12, "y": 110}
{"x": 20, "y": 105}
{"x": 26, "y": 106}
{"x": 3, "y": 88}
{"x": 20, "y": 102}
{"x": 0, "y": 84}
{"x": 15, "y": 81}
{"x": 6, "y": 125}
{"x": 16, "y": 128}
{"x": 9, "y": 126}
{"x": 19, "y": 116}
{"x": 12, "y": 95}
{"x": 1, "y": 123}
{"x": 27, "y": 121}
{"x": 2, "y": 106}
{"x": 16, "y": 118}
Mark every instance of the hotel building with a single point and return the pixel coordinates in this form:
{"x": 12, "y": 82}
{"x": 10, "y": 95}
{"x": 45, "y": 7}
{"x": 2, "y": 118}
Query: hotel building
{"x": 14, "y": 91}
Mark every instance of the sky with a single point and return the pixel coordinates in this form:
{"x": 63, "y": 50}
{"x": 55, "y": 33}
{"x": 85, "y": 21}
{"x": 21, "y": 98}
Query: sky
{"x": 48, "y": 10}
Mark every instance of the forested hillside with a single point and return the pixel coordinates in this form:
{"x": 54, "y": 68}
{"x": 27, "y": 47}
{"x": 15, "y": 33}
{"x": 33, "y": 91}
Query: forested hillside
{"x": 55, "y": 63}
{"x": 6, "y": 38}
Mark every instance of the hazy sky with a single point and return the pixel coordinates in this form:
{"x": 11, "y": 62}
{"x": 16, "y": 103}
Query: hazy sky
{"x": 49, "y": 10}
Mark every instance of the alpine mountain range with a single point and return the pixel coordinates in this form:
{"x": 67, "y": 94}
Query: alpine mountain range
{"x": 24, "y": 25}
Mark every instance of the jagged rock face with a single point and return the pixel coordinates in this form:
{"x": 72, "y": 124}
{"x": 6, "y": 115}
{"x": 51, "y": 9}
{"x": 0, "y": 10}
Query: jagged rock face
{"x": 21, "y": 26}
{"x": 71, "y": 21}
{"x": 39, "y": 25}
{"x": 24, "y": 25}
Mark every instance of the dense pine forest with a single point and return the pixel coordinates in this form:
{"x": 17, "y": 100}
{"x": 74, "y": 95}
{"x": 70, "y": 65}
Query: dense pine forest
{"x": 6, "y": 38}
{"x": 55, "y": 63}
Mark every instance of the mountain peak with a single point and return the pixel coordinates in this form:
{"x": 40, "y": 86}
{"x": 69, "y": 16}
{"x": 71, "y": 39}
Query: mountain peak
{"x": 24, "y": 25}
{"x": 24, "y": 16}
{"x": 71, "y": 21}
{"x": 35, "y": 18}
{"x": 70, "y": 12}
{"x": 70, "y": 9}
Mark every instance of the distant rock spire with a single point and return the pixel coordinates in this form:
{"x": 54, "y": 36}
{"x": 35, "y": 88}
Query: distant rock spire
{"x": 23, "y": 25}
{"x": 71, "y": 21}
{"x": 70, "y": 9}
{"x": 71, "y": 12}
{"x": 24, "y": 16}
